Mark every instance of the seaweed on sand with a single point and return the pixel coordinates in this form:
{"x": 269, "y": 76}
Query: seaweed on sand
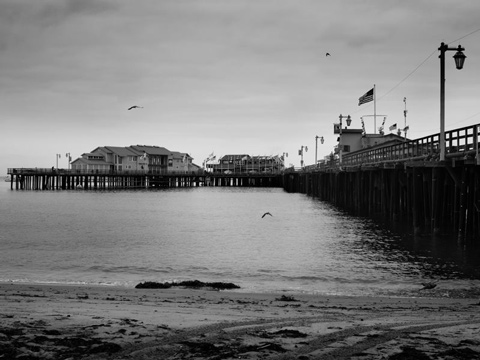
{"x": 193, "y": 284}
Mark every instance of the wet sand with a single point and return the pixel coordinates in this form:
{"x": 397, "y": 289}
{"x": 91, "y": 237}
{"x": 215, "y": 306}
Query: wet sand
{"x": 84, "y": 322}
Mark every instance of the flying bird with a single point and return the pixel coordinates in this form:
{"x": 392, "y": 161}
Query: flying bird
{"x": 328, "y": 54}
{"x": 135, "y": 107}
{"x": 267, "y": 213}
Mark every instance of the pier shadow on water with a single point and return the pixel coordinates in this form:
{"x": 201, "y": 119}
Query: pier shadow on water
{"x": 439, "y": 257}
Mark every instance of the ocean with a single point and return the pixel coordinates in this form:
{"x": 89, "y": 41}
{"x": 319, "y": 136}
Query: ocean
{"x": 125, "y": 237}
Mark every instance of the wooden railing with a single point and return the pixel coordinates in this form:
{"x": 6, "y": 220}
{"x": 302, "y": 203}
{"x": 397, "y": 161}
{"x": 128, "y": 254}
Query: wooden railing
{"x": 100, "y": 172}
{"x": 462, "y": 143}
{"x": 54, "y": 171}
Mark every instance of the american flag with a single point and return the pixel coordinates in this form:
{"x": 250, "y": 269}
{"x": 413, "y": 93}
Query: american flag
{"x": 365, "y": 98}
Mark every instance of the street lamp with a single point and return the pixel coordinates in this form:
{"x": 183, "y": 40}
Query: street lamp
{"x": 69, "y": 158}
{"x": 58, "y": 157}
{"x": 349, "y": 121}
{"x": 459, "y": 58}
{"x": 316, "y": 146}
{"x": 285, "y": 154}
{"x": 300, "y": 152}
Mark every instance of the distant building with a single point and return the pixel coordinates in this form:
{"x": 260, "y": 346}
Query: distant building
{"x": 157, "y": 157}
{"x": 244, "y": 163}
{"x": 352, "y": 140}
{"x": 180, "y": 162}
{"x": 136, "y": 159}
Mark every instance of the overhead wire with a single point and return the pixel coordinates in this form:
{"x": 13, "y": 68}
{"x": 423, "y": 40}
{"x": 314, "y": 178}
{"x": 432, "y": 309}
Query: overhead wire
{"x": 463, "y": 37}
{"x": 420, "y": 65}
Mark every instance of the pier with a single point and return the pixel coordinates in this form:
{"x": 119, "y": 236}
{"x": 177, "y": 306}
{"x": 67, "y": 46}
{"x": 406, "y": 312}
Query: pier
{"x": 405, "y": 183}
{"x": 63, "y": 179}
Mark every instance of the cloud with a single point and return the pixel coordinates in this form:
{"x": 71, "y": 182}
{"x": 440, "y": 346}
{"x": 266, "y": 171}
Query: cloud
{"x": 54, "y": 12}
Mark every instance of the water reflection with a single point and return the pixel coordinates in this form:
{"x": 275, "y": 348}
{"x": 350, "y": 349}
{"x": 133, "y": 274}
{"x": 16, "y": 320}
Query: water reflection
{"x": 427, "y": 257}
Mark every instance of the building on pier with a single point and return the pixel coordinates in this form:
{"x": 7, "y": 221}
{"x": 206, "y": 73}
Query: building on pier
{"x": 243, "y": 163}
{"x": 135, "y": 158}
{"x": 181, "y": 163}
{"x": 351, "y": 140}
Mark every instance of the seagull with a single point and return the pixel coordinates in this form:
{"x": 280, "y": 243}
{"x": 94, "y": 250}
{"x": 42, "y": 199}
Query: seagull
{"x": 267, "y": 213}
{"x": 135, "y": 107}
{"x": 328, "y": 54}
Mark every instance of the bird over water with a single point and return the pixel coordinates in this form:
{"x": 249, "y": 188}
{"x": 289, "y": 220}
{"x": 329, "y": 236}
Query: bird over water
{"x": 267, "y": 213}
{"x": 135, "y": 107}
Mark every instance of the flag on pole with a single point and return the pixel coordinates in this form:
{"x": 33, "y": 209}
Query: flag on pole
{"x": 393, "y": 127}
{"x": 365, "y": 98}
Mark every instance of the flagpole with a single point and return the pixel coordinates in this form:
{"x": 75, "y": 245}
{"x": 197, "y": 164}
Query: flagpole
{"x": 405, "y": 117}
{"x": 374, "y": 109}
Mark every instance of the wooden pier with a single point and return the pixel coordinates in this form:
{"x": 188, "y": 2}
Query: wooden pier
{"x": 405, "y": 184}
{"x": 62, "y": 179}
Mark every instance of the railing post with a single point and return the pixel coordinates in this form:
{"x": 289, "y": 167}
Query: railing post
{"x": 475, "y": 143}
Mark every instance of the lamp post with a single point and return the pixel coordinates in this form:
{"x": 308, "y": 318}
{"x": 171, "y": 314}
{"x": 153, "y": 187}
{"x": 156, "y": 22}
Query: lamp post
{"x": 459, "y": 58}
{"x": 300, "y": 152}
{"x": 67, "y": 155}
{"x": 285, "y": 154}
{"x": 316, "y": 146}
{"x": 349, "y": 121}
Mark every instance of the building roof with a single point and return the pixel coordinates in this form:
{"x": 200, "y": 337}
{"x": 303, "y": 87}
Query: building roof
{"x": 151, "y": 150}
{"x": 89, "y": 162}
{"x": 179, "y": 155}
{"x": 91, "y": 153}
{"x": 264, "y": 157}
{"x": 386, "y": 137}
{"x": 122, "y": 151}
{"x": 352, "y": 131}
{"x": 235, "y": 157}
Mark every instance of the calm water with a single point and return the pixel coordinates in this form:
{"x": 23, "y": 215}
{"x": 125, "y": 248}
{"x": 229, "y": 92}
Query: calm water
{"x": 214, "y": 234}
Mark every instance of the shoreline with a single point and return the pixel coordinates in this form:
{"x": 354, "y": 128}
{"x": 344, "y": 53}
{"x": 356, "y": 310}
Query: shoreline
{"x": 98, "y": 322}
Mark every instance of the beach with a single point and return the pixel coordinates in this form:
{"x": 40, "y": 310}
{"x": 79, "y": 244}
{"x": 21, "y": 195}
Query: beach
{"x": 103, "y": 322}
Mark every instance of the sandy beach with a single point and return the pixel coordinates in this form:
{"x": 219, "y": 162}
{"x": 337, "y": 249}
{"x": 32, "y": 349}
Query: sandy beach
{"x": 84, "y": 322}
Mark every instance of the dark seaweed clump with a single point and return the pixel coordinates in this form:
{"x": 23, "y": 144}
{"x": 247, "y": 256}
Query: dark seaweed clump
{"x": 193, "y": 284}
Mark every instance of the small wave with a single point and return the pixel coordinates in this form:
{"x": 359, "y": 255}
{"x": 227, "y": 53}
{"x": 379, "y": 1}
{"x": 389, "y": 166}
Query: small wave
{"x": 129, "y": 269}
{"x": 68, "y": 282}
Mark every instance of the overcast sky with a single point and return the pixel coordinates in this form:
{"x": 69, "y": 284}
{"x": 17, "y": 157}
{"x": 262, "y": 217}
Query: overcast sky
{"x": 225, "y": 76}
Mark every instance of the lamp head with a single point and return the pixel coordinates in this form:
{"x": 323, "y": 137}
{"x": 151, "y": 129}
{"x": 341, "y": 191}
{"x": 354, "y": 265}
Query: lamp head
{"x": 322, "y": 140}
{"x": 349, "y": 120}
{"x": 459, "y": 58}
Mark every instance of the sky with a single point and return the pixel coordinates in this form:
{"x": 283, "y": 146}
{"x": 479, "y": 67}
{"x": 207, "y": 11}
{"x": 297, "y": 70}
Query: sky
{"x": 226, "y": 76}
